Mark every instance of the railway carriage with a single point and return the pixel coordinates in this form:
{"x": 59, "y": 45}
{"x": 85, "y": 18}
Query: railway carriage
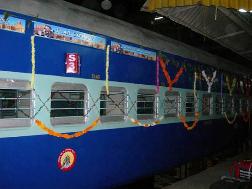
{"x": 87, "y": 101}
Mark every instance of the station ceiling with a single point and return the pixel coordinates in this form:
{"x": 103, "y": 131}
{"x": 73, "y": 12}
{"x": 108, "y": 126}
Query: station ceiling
{"x": 223, "y": 32}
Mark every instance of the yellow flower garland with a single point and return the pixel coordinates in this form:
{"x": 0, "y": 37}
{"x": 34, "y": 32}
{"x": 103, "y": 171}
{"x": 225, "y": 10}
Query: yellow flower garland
{"x": 230, "y": 86}
{"x": 230, "y": 122}
{"x": 33, "y": 61}
{"x": 51, "y": 132}
{"x": 107, "y": 70}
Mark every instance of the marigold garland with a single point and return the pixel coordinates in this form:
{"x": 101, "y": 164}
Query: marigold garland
{"x": 33, "y": 61}
{"x": 157, "y": 76}
{"x": 107, "y": 70}
{"x": 167, "y": 76}
{"x": 196, "y": 120}
{"x": 51, "y": 132}
{"x": 137, "y": 122}
{"x": 230, "y": 86}
{"x": 231, "y": 122}
{"x": 209, "y": 83}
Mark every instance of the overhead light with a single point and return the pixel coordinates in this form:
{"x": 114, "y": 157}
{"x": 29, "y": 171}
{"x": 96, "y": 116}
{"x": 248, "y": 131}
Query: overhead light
{"x": 250, "y": 11}
{"x": 158, "y": 18}
{"x": 242, "y": 10}
{"x": 106, "y": 4}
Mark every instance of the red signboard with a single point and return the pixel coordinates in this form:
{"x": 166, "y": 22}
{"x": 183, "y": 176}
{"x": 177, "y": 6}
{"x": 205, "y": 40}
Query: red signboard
{"x": 72, "y": 63}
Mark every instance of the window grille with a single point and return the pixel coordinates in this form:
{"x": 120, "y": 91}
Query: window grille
{"x": 228, "y": 104}
{"x": 190, "y": 104}
{"x": 171, "y": 104}
{"x": 146, "y": 104}
{"x": 206, "y": 104}
{"x": 15, "y": 103}
{"x": 237, "y": 104}
{"x": 113, "y": 107}
{"x": 218, "y": 105}
{"x": 68, "y": 103}
{"x": 244, "y": 105}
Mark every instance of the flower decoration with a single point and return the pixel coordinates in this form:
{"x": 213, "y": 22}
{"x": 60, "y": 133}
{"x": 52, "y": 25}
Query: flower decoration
{"x": 209, "y": 83}
{"x": 167, "y": 76}
{"x": 137, "y": 122}
{"x": 230, "y": 86}
{"x": 196, "y": 119}
{"x": 231, "y": 122}
{"x": 107, "y": 70}
{"x": 51, "y": 132}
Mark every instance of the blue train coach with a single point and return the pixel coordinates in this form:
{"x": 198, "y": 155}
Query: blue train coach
{"x": 88, "y": 101}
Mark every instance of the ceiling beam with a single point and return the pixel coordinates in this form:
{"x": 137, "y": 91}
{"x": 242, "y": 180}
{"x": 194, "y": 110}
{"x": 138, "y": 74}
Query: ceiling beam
{"x": 230, "y": 34}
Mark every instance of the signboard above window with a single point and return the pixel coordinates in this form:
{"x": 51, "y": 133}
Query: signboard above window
{"x": 132, "y": 51}
{"x": 12, "y": 23}
{"x": 68, "y": 35}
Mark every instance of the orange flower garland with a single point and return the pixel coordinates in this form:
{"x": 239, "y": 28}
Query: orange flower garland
{"x": 42, "y": 126}
{"x": 167, "y": 76}
{"x": 196, "y": 119}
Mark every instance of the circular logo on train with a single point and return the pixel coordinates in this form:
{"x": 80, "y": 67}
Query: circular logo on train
{"x": 67, "y": 159}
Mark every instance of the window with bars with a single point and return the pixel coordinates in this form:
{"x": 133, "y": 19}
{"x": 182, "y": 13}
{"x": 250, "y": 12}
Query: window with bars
{"x": 171, "y": 104}
{"x": 218, "y": 105}
{"x": 190, "y": 104}
{"x": 206, "y": 104}
{"x": 146, "y": 104}
{"x": 244, "y": 105}
{"x": 68, "y": 102}
{"x": 113, "y": 107}
{"x": 237, "y": 105}
{"x": 15, "y": 103}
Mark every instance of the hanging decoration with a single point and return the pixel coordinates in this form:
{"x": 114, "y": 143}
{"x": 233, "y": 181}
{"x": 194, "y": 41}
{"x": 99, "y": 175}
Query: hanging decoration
{"x": 107, "y": 69}
{"x": 196, "y": 114}
{"x": 230, "y": 86}
{"x": 51, "y": 132}
{"x": 248, "y": 87}
{"x": 167, "y": 76}
{"x": 221, "y": 86}
{"x": 137, "y": 122}
{"x": 33, "y": 61}
{"x": 157, "y": 76}
{"x": 209, "y": 83}
{"x": 231, "y": 122}
{"x": 196, "y": 119}
{"x": 242, "y": 87}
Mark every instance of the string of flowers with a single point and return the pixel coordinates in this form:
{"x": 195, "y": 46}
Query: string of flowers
{"x": 209, "y": 83}
{"x": 107, "y": 70}
{"x": 51, "y": 132}
{"x": 33, "y": 61}
{"x": 221, "y": 86}
{"x": 196, "y": 114}
{"x": 231, "y": 122}
{"x": 230, "y": 86}
{"x": 157, "y": 76}
{"x": 242, "y": 87}
{"x": 196, "y": 120}
{"x": 167, "y": 76}
{"x": 153, "y": 123}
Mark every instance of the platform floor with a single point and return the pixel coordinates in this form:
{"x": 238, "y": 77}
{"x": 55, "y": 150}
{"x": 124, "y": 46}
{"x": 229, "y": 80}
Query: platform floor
{"x": 204, "y": 179}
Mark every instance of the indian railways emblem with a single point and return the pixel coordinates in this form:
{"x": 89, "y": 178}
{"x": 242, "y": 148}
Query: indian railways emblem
{"x": 67, "y": 159}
